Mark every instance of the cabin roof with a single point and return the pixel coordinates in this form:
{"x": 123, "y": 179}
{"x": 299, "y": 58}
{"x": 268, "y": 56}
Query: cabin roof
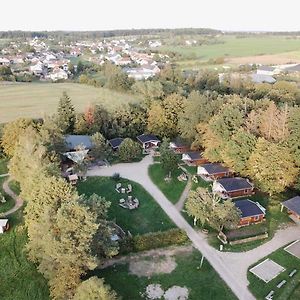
{"x": 235, "y": 184}
{"x": 73, "y": 141}
{"x": 146, "y": 138}
{"x": 215, "y": 168}
{"x": 249, "y": 208}
{"x": 116, "y": 142}
{"x": 293, "y": 204}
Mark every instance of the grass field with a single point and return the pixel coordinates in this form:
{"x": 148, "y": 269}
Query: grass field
{"x": 3, "y": 166}
{"x": 38, "y": 99}
{"x": 172, "y": 189}
{"x": 148, "y": 217}
{"x": 202, "y": 283}
{"x": 238, "y": 47}
{"x": 19, "y": 278}
{"x": 260, "y": 289}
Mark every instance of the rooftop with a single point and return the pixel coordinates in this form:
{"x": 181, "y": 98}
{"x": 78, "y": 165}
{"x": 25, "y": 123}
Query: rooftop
{"x": 73, "y": 141}
{"x": 215, "y": 168}
{"x": 235, "y": 184}
{"x": 293, "y": 204}
{"x": 249, "y": 208}
{"x": 146, "y": 138}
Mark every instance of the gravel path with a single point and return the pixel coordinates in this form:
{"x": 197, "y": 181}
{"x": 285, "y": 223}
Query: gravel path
{"x": 232, "y": 267}
{"x": 18, "y": 200}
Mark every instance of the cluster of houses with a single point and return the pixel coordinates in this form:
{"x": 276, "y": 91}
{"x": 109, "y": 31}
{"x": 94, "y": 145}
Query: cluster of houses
{"x": 136, "y": 59}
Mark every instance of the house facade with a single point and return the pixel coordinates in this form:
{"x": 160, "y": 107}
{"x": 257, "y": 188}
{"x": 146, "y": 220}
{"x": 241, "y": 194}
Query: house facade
{"x": 251, "y": 212}
{"x": 148, "y": 141}
{"x": 213, "y": 171}
{"x": 232, "y": 187}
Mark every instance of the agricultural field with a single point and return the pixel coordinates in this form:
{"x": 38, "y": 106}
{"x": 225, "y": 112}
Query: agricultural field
{"x": 38, "y": 99}
{"x": 263, "y": 49}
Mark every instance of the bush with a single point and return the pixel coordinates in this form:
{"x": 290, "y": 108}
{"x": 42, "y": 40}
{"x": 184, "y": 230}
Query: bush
{"x": 159, "y": 239}
{"x": 116, "y": 176}
{"x": 129, "y": 150}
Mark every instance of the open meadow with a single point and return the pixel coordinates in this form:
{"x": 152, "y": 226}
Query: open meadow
{"x": 38, "y": 99}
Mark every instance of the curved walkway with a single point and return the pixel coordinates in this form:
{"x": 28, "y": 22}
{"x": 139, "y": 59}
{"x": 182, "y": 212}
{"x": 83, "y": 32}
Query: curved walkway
{"x": 232, "y": 267}
{"x": 9, "y": 192}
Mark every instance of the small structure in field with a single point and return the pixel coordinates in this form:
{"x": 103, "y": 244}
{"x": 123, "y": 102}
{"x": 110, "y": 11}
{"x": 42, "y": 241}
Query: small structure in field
{"x": 194, "y": 158}
{"x": 232, "y": 187}
{"x": 251, "y": 212}
{"x": 115, "y": 143}
{"x": 293, "y": 208}
{"x": 267, "y": 270}
{"x": 4, "y": 225}
{"x": 73, "y": 178}
{"x": 148, "y": 141}
{"x": 213, "y": 171}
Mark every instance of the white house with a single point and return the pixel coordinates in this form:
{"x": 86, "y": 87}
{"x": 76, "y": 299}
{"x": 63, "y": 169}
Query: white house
{"x": 4, "y": 61}
{"x": 36, "y": 69}
{"x": 266, "y": 70}
{"x": 4, "y": 225}
{"x": 58, "y": 74}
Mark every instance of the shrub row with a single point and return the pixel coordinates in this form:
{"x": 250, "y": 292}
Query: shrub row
{"x": 153, "y": 240}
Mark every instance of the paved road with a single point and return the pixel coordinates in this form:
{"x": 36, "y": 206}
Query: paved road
{"x": 18, "y": 200}
{"x": 232, "y": 267}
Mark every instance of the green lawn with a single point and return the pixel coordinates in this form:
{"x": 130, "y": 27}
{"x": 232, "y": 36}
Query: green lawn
{"x": 238, "y": 47}
{"x": 3, "y": 166}
{"x": 172, "y": 189}
{"x": 38, "y": 99}
{"x": 202, "y": 283}
{"x": 296, "y": 293}
{"x": 260, "y": 289}
{"x": 147, "y": 218}
{"x": 19, "y": 278}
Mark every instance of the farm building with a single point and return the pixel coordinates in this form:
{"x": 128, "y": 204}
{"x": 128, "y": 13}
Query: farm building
{"x": 210, "y": 172}
{"x": 148, "y": 141}
{"x": 193, "y": 158}
{"x": 251, "y": 212}
{"x": 233, "y": 187}
{"x": 293, "y": 208}
{"x": 4, "y": 225}
{"x": 115, "y": 143}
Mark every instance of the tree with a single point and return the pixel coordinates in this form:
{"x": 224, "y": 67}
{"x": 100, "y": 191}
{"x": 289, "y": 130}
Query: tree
{"x": 150, "y": 90}
{"x": 65, "y": 114}
{"x": 238, "y": 150}
{"x": 11, "y": 134}
{"x": 294, "y": 136}
{"x": 101, "y": 149}
{"x": 272, "y": 166}
{"x": 169, "y": 160}
{"x": 207, "y": 207}
{"x": 94, "y": 288}
{"x": 129, "y": 150}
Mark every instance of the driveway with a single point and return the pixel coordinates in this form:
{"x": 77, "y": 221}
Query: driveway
{"x": 232, "y": 267}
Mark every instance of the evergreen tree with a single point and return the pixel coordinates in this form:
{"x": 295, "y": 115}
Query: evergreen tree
{"x": 169, "y": 160}
{"x": 129, "y": 150}
{"x": 65, "y": 114}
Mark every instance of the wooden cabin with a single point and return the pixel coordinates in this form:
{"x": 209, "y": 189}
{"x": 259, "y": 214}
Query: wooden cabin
{"x": 251, "y": 212}
{"x": 293, "y": 207}
{"x": 233, "y": 187}
{"x": 179, "y": 146}
{"x": 148, "y": 141}
{"x": 194, "y": 158}
{"x": 213, "y": 171}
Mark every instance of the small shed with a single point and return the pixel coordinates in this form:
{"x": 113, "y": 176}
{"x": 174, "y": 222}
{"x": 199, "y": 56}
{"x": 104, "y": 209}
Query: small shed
{"x": 4, "y": 225}
{"x": 115, "y": 143}
{"x": 73, "y": 178}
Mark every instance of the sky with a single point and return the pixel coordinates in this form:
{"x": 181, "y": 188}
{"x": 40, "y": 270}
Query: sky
{"x": 239, "y": 15}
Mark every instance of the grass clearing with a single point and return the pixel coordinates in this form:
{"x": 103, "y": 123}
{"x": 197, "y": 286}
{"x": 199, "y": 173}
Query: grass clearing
{"x": 172, "y": 189}
{"x": 37, "y": 99}
{"x": 148, "y": 217}
{"x": 19, "y": 278}
{"x": 260, "y": 289}
{"x": 204, "y": 283}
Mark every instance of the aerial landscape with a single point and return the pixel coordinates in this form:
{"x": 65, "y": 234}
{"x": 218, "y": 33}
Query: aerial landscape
{"x": 150, "y": 152}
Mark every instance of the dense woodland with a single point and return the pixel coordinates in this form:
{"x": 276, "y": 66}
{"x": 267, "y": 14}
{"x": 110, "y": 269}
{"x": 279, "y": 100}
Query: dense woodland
{"x": 253, "y": 129}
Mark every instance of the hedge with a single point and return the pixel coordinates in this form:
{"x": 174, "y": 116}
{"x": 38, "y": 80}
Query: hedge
{"x": 154, "y": 240}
